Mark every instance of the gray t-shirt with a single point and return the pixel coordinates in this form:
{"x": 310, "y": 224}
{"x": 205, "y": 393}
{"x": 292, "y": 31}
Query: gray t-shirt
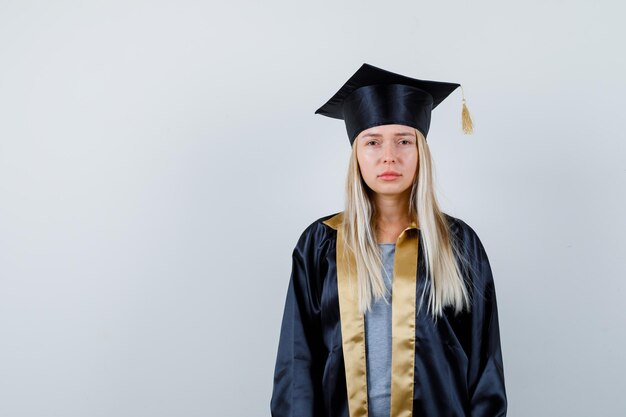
{"x": 378, "y": 343}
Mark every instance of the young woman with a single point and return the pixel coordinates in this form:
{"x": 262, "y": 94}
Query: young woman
{"x": 391, "y": 305}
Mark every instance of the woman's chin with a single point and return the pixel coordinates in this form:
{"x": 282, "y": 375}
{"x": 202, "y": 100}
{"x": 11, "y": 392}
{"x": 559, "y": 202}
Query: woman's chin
{"x": 390, "y": 190}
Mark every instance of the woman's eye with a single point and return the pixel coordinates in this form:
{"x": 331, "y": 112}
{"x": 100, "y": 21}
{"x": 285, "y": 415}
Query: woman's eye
{"x": 406, "y": 141}
{"x": 370, "y": 142}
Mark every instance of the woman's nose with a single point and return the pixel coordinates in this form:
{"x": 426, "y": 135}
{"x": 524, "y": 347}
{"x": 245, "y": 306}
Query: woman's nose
{"x": 389, "y": 153}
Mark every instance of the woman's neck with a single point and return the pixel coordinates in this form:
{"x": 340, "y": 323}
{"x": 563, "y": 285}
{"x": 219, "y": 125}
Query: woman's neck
{"x": 392, "y": 217}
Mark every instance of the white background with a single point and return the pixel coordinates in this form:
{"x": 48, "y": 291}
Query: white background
{"x": 159, "y": 160}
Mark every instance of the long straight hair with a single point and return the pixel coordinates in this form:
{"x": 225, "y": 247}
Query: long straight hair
{"x": 445, "y": 283}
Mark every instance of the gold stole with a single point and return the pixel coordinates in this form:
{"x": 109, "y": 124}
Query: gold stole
{"x": 402, "y": 323}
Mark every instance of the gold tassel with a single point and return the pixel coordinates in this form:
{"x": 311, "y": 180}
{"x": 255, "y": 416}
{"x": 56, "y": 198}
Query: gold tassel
{"x": 466, "y": 119}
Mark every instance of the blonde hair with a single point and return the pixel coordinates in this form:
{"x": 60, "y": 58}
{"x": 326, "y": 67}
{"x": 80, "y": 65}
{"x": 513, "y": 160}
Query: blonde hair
{"x": 444, "y": 277}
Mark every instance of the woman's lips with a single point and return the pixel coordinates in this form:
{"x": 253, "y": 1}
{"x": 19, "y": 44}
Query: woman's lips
{"x": 389, "y": 177}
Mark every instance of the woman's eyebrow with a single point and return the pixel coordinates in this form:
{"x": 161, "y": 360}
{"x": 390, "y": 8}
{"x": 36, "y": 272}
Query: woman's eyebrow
{"x": 379, "y": 135}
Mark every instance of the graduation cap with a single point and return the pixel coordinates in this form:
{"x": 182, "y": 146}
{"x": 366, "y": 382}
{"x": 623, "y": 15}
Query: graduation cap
{"x": 374, "y": 96}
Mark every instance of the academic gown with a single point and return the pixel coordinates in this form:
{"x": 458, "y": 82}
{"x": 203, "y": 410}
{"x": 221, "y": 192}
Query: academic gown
{"x": 452, "y": 367}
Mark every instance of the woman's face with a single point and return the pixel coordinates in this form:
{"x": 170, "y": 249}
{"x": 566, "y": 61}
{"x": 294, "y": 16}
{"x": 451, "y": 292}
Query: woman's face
{"x": 388, "y": 148}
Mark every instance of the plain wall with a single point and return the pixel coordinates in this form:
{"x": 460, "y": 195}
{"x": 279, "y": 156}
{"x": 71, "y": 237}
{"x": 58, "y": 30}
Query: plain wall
{"x": 159, "y": 160}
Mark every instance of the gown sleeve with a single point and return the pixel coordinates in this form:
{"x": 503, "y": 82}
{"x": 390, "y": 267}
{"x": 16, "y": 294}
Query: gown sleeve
{"x": 486, "y": 383}
{"x": 297, "y": 390}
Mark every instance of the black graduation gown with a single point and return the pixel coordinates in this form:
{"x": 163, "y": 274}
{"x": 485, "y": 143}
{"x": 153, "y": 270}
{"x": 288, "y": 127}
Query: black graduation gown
{"x": 458, "y": 369}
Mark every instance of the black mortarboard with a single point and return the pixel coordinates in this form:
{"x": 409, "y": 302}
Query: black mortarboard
{"x": 374, "y": 96}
